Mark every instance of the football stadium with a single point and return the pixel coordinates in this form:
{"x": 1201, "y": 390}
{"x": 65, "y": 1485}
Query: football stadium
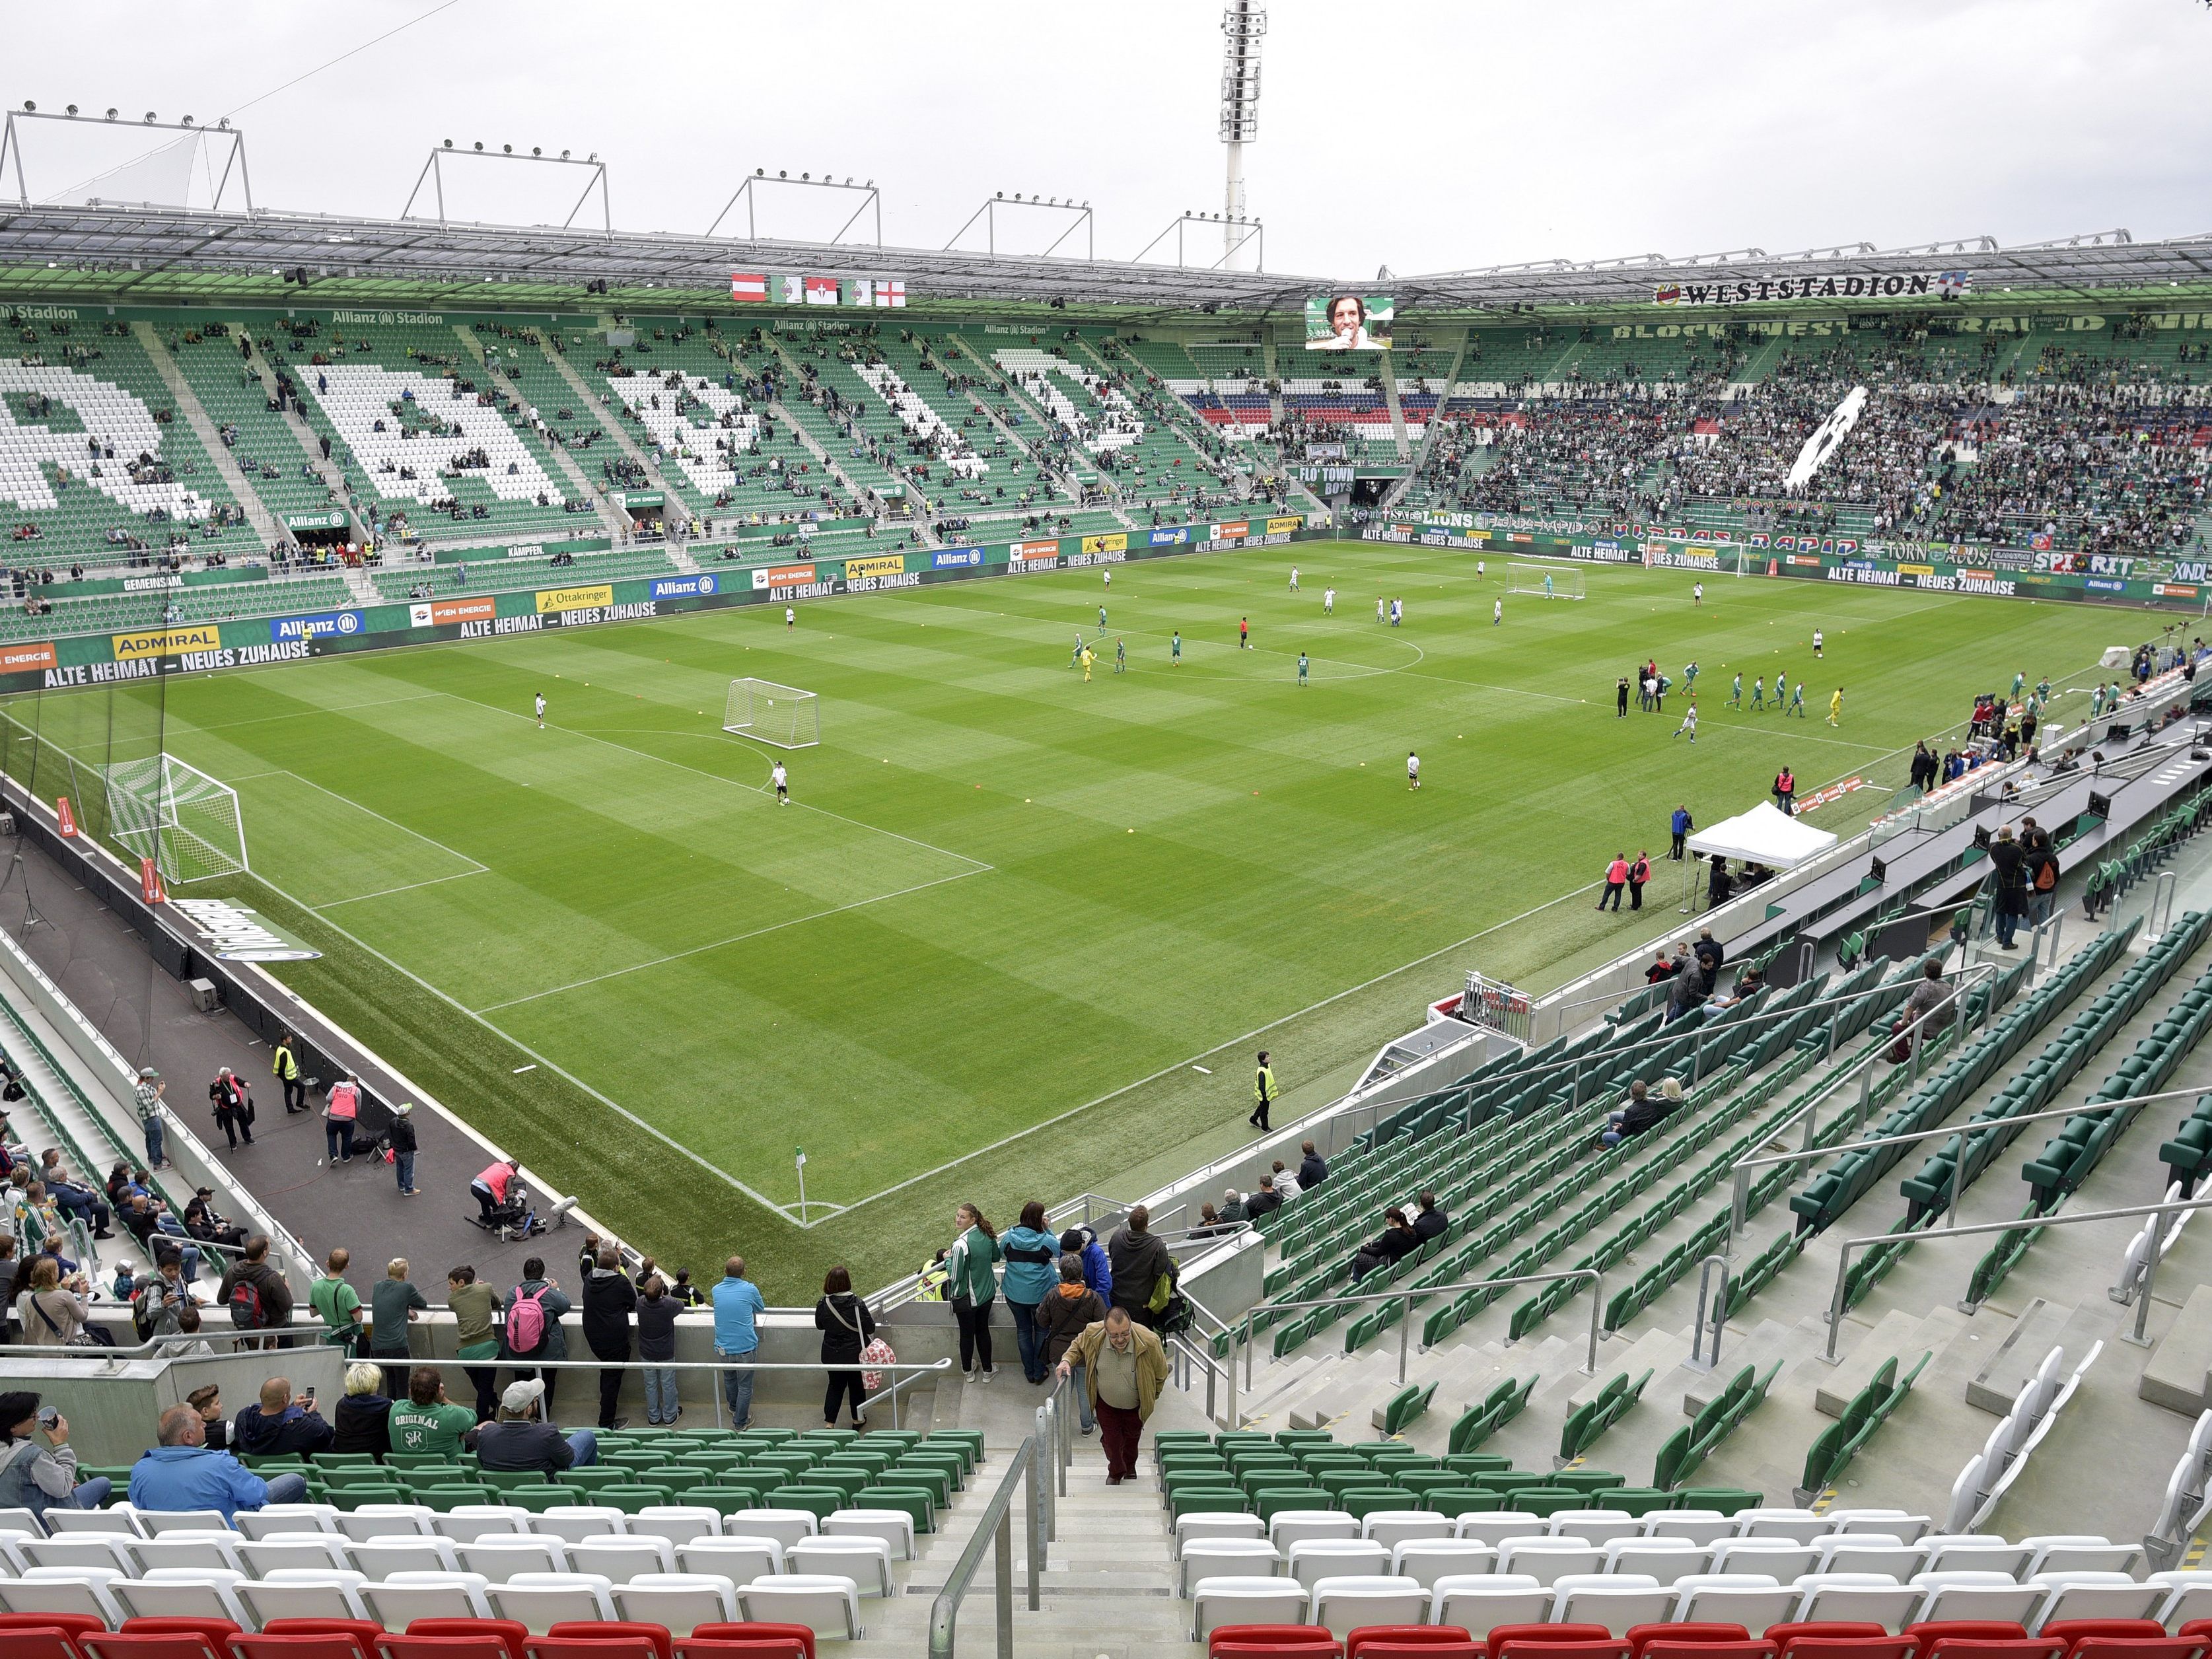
{"x": 1498, "y": 961}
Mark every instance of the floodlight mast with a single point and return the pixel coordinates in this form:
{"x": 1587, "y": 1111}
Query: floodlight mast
{"x": 1242, "y": 23}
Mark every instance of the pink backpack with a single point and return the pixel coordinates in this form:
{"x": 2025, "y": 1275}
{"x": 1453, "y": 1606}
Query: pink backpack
{"x": 526, "y": 1321}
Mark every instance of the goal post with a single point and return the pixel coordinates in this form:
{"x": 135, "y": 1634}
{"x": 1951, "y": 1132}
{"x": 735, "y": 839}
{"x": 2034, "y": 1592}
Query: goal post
{"x": 1545, "y": 581}
{"x": 784, "y": 715}
{"x": 163, "y": 809}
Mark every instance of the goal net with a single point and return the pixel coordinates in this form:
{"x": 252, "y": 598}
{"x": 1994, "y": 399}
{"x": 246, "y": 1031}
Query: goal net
{"x": 781, "y": 715}
{"x": 1545, "y": 581}
{"x": 176, "y": 815}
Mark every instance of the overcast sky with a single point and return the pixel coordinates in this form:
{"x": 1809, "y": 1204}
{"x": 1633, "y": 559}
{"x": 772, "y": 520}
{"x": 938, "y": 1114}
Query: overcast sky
{"x": 1425, "y": 136}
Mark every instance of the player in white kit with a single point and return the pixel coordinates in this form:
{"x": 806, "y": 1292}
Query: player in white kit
{"x": 541, "y": 711}
{"x": 781, "y": 780}
{"x": 1412, "y": 771}
{"x": 1328, "y": 602}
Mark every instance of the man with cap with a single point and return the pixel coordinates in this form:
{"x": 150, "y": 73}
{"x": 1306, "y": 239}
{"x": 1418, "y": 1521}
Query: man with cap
{"x": 148, "y": 1099}
{"x": 402, "y": 1147}
{"x": 519, "y": 1438}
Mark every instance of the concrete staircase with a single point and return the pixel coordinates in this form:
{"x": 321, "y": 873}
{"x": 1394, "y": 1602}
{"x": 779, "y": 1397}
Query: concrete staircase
{"x": 265, "y": 522}
{"x": 311, "y": 447}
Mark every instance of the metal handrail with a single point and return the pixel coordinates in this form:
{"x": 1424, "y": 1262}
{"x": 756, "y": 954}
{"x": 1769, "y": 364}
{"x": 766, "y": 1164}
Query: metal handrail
{"x": 2142, "y": 1304}
{"x": 1409, "y": 1295}
{"x": 1743, "y": 1166}
{"x": 995, "y": 1527}
{"x": 1740, "y": 1200}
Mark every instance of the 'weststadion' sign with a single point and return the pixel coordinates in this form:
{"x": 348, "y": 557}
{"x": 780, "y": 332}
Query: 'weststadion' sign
{"x": 1944, "y": 284}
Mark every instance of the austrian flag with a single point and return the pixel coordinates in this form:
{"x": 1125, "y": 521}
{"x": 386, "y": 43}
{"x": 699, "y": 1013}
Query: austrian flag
{"x": 749, "y": 286}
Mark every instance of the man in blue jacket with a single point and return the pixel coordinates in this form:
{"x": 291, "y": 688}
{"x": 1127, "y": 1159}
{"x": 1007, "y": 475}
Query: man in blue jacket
{"x": 182, "y": 1474}
{"x": 1681, "y": 826}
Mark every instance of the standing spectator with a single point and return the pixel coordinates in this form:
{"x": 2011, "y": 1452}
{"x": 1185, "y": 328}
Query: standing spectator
{"x": 656, "y": 1345}
{"x": 846, "y": 1325}
{"x": 687, "y": 1294}
{"x": 52, "y": 1313}
{"x": 341, "y": 1108}
{"x": 1616, "y": 878}
{"x": 1263, "y": 1093}
{"x": 970, "y": 1287}
{"x": 1681, "y": 826}
{"x": 608, "y": 1300}
{"x": 476, "y": 1338}
{"x": 234, "y": 1107}
{"x": 277, "y": 1424}
{"x": 285, "y": 1064}
{"x": 392, "y": 1305}
{"x": 337, "y": 1303}
{"x": 426, "y": 1422}
{"x": 1098, "y": 1273}
{"x": 1031, "y": 1254}
{"x": 1711, "y": 954}
{"x": 1638, "y": 873}
{"x": 1124, "y": 1369}
{"x": 148, "y": 1096}
{"x": 2009, "y": 886}
{"x": 1312, "y": 1168}
{"x": 402, "y": 1147}
{"x": 2038, "y": 873}
{"x": 490, "y": 1187}
{"x": 738, "y": 1304}
{"x": 1072, "y": 1307}
{"x": 1688, "y": 988}
{"x": 158, "y": 1300}
{"x": 519, "y": 1438}
{"x": 41, "y": 1476}
{"x": 1719, "y": 886}
{"x": 362, "y": 1422}
{"x": 186, "y": 1471}
{"x": 1140, "y": 1262}
{"x": 534, "y": 1311}
{"x": 1785, "y": 792}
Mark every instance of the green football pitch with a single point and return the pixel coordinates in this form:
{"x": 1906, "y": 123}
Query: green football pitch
{"x": 1018, "y": 933}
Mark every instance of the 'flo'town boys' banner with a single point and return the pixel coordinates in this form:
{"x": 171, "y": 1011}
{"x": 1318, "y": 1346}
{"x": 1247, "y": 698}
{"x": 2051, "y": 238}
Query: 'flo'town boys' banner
{"x": 92, "y": 659}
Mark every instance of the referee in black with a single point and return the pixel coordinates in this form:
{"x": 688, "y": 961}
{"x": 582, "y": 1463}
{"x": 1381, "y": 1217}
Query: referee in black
{"x": 1263, "y": 1093}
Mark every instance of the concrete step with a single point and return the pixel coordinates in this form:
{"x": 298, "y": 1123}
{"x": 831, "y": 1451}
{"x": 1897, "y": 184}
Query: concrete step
{"x": 2179, "y": 1375}
{"x": 2040, "y": 1326}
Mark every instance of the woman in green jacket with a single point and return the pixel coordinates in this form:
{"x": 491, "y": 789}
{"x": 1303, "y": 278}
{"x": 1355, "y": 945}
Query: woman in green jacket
{"x": 971, "y": 1287}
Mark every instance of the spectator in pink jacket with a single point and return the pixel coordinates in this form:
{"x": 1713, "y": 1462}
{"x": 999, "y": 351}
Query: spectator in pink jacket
{"x": 339, "y": 1112}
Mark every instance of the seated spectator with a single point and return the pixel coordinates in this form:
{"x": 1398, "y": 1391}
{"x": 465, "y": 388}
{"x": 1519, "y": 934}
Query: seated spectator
{"x": 1286, "y": 1184}
{"x": 1395, "y": 1242}
{"x": 426, "y": 1421}
{"x": 361, "y": 1423}
{"x": 51, "y": 1311}
{"x": 1932, "y": 997}
{"x": 1312, "y": 1169}
{"x": 1265, "y": 1202}
{"x": 519, "y": 1438}
{"x": 1642, "y": 1111}
{"x": 1748, "y": 983}
{"x": 1661, "y": 970}
{"x": 38, "y": 1466}
{"x": 277, "y": 1424}
{"x": 215, "y": 1422}
{"x": 201, "y": 1222}
{"x": 184, "y": 1472}
{"x": 1209, "y": 1222}
{"x": 1232, "y": 1206}
{"x": 1431, "y": 1221}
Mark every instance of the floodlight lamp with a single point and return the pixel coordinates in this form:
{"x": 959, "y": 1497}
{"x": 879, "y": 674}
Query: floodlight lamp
{"x": 534, "y": 150}
{"x": 783, "y": 173}
{"x": 151, "y": 118}
{"x": 449, "y": 144}
{"x": 72, "y": 109}
{"x": 760, "y": 172}
{"x": 564, "y": 154}
{"x": 507, "y": 150}
{"x": 111, "y": 111}
{"x": 188, "y": 119}
{"x": 479, "y": 145}
{"x": 30, "y": 108}
{"x": 999, "y": 195}
{"x": 805, "y": 177}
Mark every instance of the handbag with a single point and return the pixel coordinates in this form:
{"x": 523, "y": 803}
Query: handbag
{"x": 877, "y": 1352}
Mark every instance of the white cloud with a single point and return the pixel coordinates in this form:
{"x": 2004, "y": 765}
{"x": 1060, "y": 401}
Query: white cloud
{"x": 1427, "y": 136}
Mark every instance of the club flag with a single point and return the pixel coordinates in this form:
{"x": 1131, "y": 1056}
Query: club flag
{"x": 860, "y": 291}
{"x": 1951, "y": 284}
{"x": 822, "y": 290}
{"x": 794, "y": 290}
{"x": 749, "y": 286}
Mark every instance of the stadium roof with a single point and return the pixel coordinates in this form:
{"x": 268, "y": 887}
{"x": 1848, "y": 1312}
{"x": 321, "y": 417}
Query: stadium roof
{"x": 156, "y": 253}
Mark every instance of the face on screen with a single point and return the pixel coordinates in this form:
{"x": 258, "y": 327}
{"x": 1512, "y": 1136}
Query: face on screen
{"x": 1345, "y": 313}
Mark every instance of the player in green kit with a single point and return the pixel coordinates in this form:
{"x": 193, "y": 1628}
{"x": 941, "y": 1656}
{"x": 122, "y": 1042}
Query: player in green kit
{"x": 1758, "y": 693}
{"x": 1174, "y": 649}
{"x": 1076, "y": 661}
{"x": 1101, "y": 619}
{"x": 2019, "y": 680}
{"x": 2096, "y": 701}
{"x": 1121, "y": 656}
{"x": 1735, "y": 696}
{"x": 2043, "y": 691}
{"x": 1690, "y": 679}
{"x": 1781, "y": 684}
{"x": 1797, "y": 702}
{"x": 1302, "y": 668}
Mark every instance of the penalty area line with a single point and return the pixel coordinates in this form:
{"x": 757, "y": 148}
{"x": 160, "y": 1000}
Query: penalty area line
{"x": 562, "y": 1072}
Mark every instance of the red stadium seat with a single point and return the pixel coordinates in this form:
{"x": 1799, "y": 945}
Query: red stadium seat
{"x": 799, "y": 1635}
{"x": 1840, "y": 1638}
{"x": 154, "y": 1645}
{"x": 456, "y": 1638}
{"x": 1557, "y": 1642}
{"x": 1702, "y": 1636}
{"x": 730, "y": 1647}
{"x": 313, "y": 1644}
{"x": 1751, "y": 1647}
{"x": 41, "y": 1635}
{"x": 1411, "y": 1642}
{"x": 364, "y": 1631}
{"x": 2132, "y": 1647}
{"x": 599, "y": 1639}
{"x": 1976, "y": 1629}
{"x": 1273, "y": 1642}
{"x": 1936, "y": 1644}
{"x": 72, "y": 1625}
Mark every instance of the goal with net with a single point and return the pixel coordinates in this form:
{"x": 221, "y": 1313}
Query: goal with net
{"x": 1545, "y": 581}
{"x": 781, "y": 715}
{"x": 175, "y": 814}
